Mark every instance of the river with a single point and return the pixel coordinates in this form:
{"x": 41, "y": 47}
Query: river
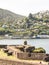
{"x": 34, "y": 42}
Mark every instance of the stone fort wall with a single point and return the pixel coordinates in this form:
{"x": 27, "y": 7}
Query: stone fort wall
{"x": 26, "y": 55}
{"x": 33, "y": 56}
{"x": 9, "y": 62}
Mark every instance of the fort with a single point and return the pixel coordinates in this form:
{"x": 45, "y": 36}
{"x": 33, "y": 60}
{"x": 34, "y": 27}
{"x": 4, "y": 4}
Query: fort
{"x": 21, "y": 55}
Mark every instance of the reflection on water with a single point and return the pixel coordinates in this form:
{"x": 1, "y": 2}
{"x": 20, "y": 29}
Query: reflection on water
{"x": 35, "y": 42}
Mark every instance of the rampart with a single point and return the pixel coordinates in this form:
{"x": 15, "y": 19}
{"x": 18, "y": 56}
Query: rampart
{"x": 27, "y": 55}
{"x": 23, "y": 58}
{"x": 33, "y": 56}
{"x": 9, "y": 62}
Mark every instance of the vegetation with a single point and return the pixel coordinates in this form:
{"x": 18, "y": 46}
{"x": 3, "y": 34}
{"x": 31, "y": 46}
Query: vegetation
{"x": 4, "y": 55}
{"x": 21, "y": 26}
{"x": 39, "y": 50}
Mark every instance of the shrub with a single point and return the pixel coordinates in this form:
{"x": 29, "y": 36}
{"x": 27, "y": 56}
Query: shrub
{"x": 39, "y": 50}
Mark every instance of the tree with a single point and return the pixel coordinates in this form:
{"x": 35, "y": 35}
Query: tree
{"x": 30, "y": 16}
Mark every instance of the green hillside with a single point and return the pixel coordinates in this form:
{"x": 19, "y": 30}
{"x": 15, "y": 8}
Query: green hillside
{"x": 17, "y": 26}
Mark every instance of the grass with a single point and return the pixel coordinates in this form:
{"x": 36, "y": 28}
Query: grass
{"x": 4, "y": 55}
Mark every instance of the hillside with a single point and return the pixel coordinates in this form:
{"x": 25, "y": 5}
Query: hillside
{"x": 17, "y": 26}
{"x": 8, "y": 16}
{"x": 40, "y": 16}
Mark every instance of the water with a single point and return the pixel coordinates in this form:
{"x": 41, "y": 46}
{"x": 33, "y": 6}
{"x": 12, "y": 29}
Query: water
{"x": 35, "y": 42}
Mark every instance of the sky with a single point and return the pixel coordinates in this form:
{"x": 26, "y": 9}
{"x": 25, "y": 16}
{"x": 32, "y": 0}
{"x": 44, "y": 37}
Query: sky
{"x": 24, "y": 7}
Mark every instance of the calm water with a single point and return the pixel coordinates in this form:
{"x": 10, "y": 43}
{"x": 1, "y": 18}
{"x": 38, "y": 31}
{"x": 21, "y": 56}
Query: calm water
{"x": 35, "y": 42}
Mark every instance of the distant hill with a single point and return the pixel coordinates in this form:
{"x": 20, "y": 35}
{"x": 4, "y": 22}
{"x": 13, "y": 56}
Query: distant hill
{"x": 8, "y": 16}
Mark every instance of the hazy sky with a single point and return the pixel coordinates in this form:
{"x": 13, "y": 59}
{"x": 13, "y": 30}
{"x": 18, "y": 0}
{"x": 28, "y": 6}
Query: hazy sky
{"x": 24, "y": 7}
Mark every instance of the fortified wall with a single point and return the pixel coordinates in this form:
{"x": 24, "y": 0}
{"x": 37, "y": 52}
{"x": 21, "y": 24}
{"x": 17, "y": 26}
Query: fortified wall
{"x": 9, "y": 62}
{"x": 27, "y": 55}
{"x": 23, "y": 55}
{"x": 31, "y": 56}
{"x": 25, "y": 52}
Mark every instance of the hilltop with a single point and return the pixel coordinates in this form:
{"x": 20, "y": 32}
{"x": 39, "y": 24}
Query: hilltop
{"x": 8, "y": 16}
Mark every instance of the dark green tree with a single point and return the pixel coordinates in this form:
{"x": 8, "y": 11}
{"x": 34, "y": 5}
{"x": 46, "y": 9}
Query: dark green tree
{"x": 30, "y": 16}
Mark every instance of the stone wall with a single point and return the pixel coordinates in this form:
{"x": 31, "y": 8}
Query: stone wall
{"x": 34, "y": 56}
{"x": 9, "y": 62}
{"x": 13, "y": 50}
{"x": 26, "y": 55}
